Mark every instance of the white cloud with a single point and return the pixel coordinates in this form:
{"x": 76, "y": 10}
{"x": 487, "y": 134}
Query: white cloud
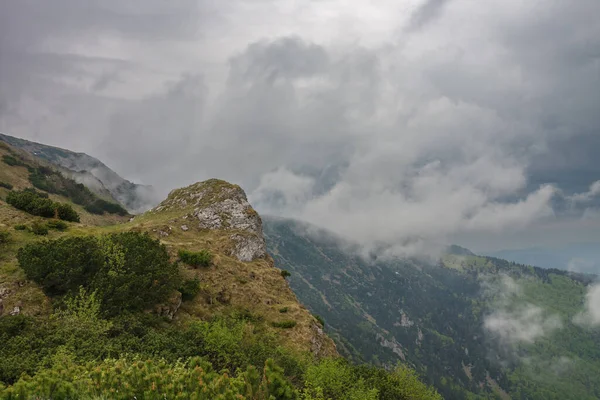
{"x": 513, "y": 321}
{"x": 590, "y": 317}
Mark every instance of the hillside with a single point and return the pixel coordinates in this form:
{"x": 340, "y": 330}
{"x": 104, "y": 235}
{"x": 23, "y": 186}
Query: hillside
{"x": 180, "y": 302}
{"x": 474, "y": 327}
{"x": 91, "y": 172}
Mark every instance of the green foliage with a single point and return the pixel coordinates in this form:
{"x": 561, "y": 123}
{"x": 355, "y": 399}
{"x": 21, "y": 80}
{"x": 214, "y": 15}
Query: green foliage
{"x": 190, "y": 288}
{"x": 284, "y": 324}
{"x": 12, "y": 161}
{"x": 61, "y": 266}
{"x": 202, "y": 258}
{"x": 6, "y": 185}
{"x": 4, "y": 237}
{"x": 52, "y": 181}
{"x": 38, "y": 228}
{"x": 283, "y": 310}
{"x": 101, "y": 206}
{"x": 285, "y": 273}
{"x": 32, "y": 202}
{"x": 66, "y": 213}
{"x": 131, "y": 378}
{"x": 37, "y": 203}
{"x": 320, "y": 319}
{"x": 336, "y": 379}
{"x": 129, "y": 271}
{"x": 20, "y": 227}
{"x": 57, "y": 225}
{"x": 136, "y": 272}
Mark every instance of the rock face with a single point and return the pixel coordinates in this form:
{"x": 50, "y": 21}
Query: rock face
{"x": 170, "y": 307}
{"x": 219, "y": 205}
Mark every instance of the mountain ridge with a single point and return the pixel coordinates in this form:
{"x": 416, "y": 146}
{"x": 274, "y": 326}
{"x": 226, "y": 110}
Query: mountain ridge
{"x": 90, "y": 171}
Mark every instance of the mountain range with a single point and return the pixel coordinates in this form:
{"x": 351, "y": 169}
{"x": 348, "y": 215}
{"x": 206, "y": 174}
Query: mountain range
{"x": 472, "y": 327}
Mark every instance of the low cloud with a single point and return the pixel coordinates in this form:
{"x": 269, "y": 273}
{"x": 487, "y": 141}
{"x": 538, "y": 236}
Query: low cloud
{"x": 512, "y": 321}
{"x": 590, "y": 317}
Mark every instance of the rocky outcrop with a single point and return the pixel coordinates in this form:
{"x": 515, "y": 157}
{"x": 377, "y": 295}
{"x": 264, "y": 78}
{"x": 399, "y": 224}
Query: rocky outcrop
{"x": 169, "y": 309}
{"x": 218, "y": 205}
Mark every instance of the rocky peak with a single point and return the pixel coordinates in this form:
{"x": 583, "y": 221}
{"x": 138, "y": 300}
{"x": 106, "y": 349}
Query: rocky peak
{"x": 219, "y": 205}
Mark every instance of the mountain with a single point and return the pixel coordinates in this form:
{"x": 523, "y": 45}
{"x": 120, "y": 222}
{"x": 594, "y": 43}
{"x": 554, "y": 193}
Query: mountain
{"x": 181, "y": 302}
{"x": 92, "y": 173}
{"x": 577, "y": 257}
{"x": 474, "y": 327}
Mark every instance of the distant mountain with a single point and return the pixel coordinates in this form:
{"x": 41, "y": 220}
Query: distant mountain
{"x": 474, "y": 327}
{"x": 92, "y": 173}
{"x": 576, "y": 257}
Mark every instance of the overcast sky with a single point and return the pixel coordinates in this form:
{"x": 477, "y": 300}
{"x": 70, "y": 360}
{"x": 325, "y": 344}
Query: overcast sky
{"x": 389, "y": 121}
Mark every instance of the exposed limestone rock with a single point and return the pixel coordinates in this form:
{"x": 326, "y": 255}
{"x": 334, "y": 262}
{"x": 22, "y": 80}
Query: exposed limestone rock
{"x": 170, "y": 308}
{"x": 216, "y": 204}
{"x": 184, "y": 228}
{"x": 393, "y": 345}
{"x": 248, "y": 247}
{"x": 318, "y": 340}
{"x": 16, "y": 310}
{"x": 420, "y": 337}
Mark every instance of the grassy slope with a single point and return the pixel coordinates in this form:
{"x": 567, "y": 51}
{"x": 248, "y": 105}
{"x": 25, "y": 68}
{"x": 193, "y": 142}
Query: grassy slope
{"x": 228, "y": 285}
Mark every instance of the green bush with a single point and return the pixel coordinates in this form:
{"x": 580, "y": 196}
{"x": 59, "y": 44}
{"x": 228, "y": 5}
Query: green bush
{"x": 320, "y": 319}
{"x": 4, "y": 237}
{"x": 63, "y": 265}
{"x": 284, "y": 324}
{"x": 66, "y": 213}
{"x": 190, "y": 288}
{"x": 38, "y": 228}
{"x": 20, "y": 227}
{"x": 6, "y": 185}
{"x": 285, "y": 273}
{"x": 128, "y": 271}
{"x": 135, "y": 378}
{"x": 12, "y": 161}
{"x": 101, "y": 206}
{"x": 57, "y": 225}
{"x": 32, "y": 202}
{"x": 283, "y": 310}
{"x": 203, "y": 258}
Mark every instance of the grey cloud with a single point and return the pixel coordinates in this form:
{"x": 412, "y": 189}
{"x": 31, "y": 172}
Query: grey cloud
{"x": 450, "y": 131}
{"x": 426, "y": 13}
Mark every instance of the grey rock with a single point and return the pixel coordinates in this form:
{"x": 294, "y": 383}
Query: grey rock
{"x": 220, "y": 205}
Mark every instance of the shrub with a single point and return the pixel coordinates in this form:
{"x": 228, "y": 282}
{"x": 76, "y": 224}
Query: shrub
{"x": 66, "y": 213}
{"x": 202, "y": 258}
{"x": 101, "y": 206}
{"x": 320, "y": 319}
{"x": 4, "y": 237}
{"x": 284, "y": 324}
{"x": 128, "y": 271}
{"x": 40, "y": 229}
{"x": 20, "y": 227}
{"x": 283, "y": 310}
{"x": 6, "y": 185}
{"x": 31, "y": 202}
{"x": 61, "y": 266}
{"x": 12, "y": 161}
{"x": 57, "y": 225}
{"x": 136, "y": 272}
{"x": 190, "y": 288}
{"x": 285, "y": 273}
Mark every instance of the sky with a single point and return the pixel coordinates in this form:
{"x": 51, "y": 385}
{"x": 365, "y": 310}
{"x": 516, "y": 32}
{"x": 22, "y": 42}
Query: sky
{"x": 402, "y": 123}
